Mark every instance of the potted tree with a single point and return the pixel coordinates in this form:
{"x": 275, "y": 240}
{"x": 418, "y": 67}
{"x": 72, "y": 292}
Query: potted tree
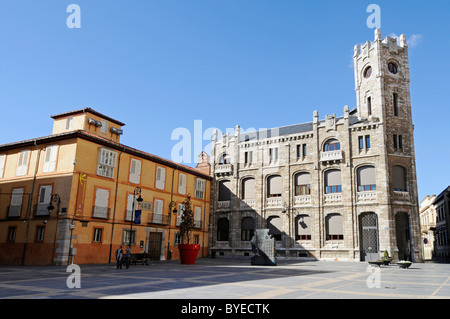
{"x": 386, "y": 259}
{"x": 188, "y": 251}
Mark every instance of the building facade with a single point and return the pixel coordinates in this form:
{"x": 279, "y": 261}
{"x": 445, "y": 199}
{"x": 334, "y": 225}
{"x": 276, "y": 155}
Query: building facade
{"x": 442, "y": 230}
{"x": 75, "y": 194}
{"x": 338, "y": 188}
{"x": 427, "y": 213}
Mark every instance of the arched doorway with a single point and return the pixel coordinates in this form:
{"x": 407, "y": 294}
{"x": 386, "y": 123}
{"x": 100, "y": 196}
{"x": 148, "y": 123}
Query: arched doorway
{"x": 368, "y": 232}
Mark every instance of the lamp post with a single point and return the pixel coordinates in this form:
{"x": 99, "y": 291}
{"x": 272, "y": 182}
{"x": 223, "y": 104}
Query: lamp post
{"x": 137, "y": 191}
{"x": 174, "y": 211}
{"x": 57, "y": 200}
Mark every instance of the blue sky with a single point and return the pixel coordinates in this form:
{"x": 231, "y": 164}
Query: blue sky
{"x": 158, "y": 65}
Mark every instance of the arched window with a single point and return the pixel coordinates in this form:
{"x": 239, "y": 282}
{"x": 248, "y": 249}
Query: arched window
{"x": 223, "y": 229}
{"x": 275, "y": 226}
{"x": 303, "y": 227}
{"x": 274, "y": 186}
{"x": 366, "y": 178}
{"x": 332, "y": 145}
{"x": 334, "y": 226}
{"x": 248, "y": 188}
{"x": 224, "y": 190}
{"x": 399, "y": 178}
{"x": 333, "y": 181}
{"x": 302, "y": 184}
{"x": 247, "y": 228}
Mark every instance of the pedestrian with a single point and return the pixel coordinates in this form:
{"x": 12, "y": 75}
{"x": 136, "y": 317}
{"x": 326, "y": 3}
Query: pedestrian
{"x": 127, "y": 256}
{"x": 119, "y": 256}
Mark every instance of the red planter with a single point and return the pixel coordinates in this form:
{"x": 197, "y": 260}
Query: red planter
{"x": 188, "y": 253}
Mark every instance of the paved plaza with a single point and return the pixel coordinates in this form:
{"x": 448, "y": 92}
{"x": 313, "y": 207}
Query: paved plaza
{"x": 226, "y": 278}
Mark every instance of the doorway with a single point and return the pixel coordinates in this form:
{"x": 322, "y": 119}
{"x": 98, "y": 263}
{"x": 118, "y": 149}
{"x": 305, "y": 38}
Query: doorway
{"x": 368, "y": 229}
{"x": 403, "y": 235}
{"x": 154, "y": 246}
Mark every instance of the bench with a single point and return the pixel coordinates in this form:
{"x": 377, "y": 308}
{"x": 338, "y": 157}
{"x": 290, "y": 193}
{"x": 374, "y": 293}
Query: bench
{"x": 142, "y": 257}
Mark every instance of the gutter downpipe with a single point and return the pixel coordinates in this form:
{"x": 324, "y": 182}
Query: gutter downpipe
{"x": 30, "y": 199}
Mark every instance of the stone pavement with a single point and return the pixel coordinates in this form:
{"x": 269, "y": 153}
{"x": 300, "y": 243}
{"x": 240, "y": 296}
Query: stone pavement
{"x": 226, "y": 278}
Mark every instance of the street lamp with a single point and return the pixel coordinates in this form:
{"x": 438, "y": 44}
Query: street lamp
{"x": 174, "y": 211}
{"x": 137, "y": 191}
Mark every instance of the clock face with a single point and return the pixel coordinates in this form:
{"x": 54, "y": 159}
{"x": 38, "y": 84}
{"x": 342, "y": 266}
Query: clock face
{"x": 392, "y": 68}
{"x": 367, "y": 72}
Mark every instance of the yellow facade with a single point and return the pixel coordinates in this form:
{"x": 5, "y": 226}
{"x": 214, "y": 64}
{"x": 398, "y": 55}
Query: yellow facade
{"x": 96, "y": 179}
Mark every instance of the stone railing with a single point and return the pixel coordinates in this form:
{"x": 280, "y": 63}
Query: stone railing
{"x": 366, "y": 196}
{"x": 302, "y": 200}
{"x": 223, "y": 168}
{"x": 223, "y": 204}
{"x": 331, "y": 156}
{"x": 274, "y": 202}
{"x": 333, "y": 198}
{"x": 248, "y": 203}
{"x": 400, "y": 196}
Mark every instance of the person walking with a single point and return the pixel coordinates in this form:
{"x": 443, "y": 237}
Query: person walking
{"x": 127, "y": 256}
{"x": 119, "y": 256}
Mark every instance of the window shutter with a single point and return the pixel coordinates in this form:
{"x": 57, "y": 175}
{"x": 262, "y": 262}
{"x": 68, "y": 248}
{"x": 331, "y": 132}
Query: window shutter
{"x": 366, "y": 175}
{"x": 2, "y": 164}
{"x": 182, "y": 183}
{"x": 303, "y": 179}
{"x": 333, "y": 178}
{"x": 160, "y": 177}
{"x": 157, "y": 216}
{"x": 135, "y": 171}
{"x": 197, "y": 217}
{"x": 248, "y": 188}
{"x": 101, "y": 203}
{"x": 16, "y": 202}
{"x": 45, "y": 195}
{"x": 50, "y": 158}
{"x": 335, "y": 224}
{"x": 275, "y": 185}
{"x": 130, "y": 199}
{"x": 224, "y": 190}
{"x": 180, "y": 211}
{"x": 304, "y": 225}
{"x": 22, "y": 163}
{"x": 399, "y": 178}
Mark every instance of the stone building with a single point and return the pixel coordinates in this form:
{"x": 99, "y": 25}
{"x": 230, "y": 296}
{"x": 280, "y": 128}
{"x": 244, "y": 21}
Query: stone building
{"x": 427, "y": 213}
{"x": 442, "y": 230}
{"x": 337, "y": 188}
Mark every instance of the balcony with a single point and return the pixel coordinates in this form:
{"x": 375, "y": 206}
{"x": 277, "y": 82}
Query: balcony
{"x": 223, "y": 204}
{"x": 302, "y": 200}
{"x": 331, "y": 156}
{"x": 158, "y": 219}
{"x": 248, "y": 204}
{"x": 402, "y": 196}
{"x": 100, "y": 212}
{"x": 223, "y": 169}
{"x": 333, "y": 198}
{"x": 367, "y": 196}
{"x": 274, "y": 202}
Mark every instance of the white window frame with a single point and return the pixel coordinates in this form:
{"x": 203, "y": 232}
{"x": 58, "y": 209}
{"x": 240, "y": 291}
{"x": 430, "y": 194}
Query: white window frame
{"x": 16, "y": 202}
{"x": 200, "y": 186}
{"x": 180, "y": 211}
{"x": 97, "y": 235}
{"x": 104, "y": 127}
{"x": 69, "y": 122}
{"x": 106, "y": 162}
{"x": 182, "y": 182}
{"x": 135, "y": 171}
{"x": 197, "y": 216}
{"x": 101, "y": 203}
{"x": 51, "y": 153}
{"x": 45, "y": 196}
{"x": 22, "y": 163}
{"x": 158, "y": 211}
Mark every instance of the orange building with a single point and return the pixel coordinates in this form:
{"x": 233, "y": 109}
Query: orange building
{"x": 75, "y": 194}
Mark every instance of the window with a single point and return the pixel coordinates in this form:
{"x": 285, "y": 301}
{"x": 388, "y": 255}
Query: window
{"x": 223, "y": 229}
{"x": 69, "y": 122}
{"x": 392, "y": 67}
{"x": 366, "y": 178}
{"x": 275, "y": 226}
{"x": 50, "y": 158}
{"x": 302, "y": 184}
{"x": 160, "y": 178}
{"x": 40, "y": 232}
{"x": 367, "y": 72}
{"x": 101, "y": 203}
{"x": 333, "y": 181}
{"x": 128, "y": 235}
{"x": 45, "y": 195}
{"x": 274, "y": 186}
{"x": 197, "y": 217}
{"x": 16, "y": 202}
{"x": 332, "y": 145}
{"x": 106, "y": 162}
{"x": 364, "y": 142}
{"x": 224, "y": 191}
{"x": 224, "y": 159}
{"x": 273, "y": 154}
{"x": 395, "y": 102}
{"x": 200, "y": 187}
{"x": 248, "y": 188}
{"x": 303, "y": 227}
{"x": 130, "y": 199}
{"x": 104, "y": 127}
{"x": 178, "y": 239}
{"x": 369, "y": 106}
{"x": 158, "y": 212}
{"x": 2, "y": 164}
{"x": 334, "y": 227}
{"x": 97, "y": 235}
{"x": 301, "y": 150}
{"x": 182, "y": 181}
{"x": 180, "y": 210}
{"x": 247, "y": 228}
{"x": 398, "y": 142}
{"x": 11, "y": 234}
{"x": 399, "y": 178}
{"x": 22, "y": 163}
{"x": 248, "y": 157}
{"x": 135, "y": 171}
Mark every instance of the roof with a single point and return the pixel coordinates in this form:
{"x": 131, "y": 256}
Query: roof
{"x": 439, "y": 197}
{"x": 104, "y": 141}
{"x": 87, "y": 110}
